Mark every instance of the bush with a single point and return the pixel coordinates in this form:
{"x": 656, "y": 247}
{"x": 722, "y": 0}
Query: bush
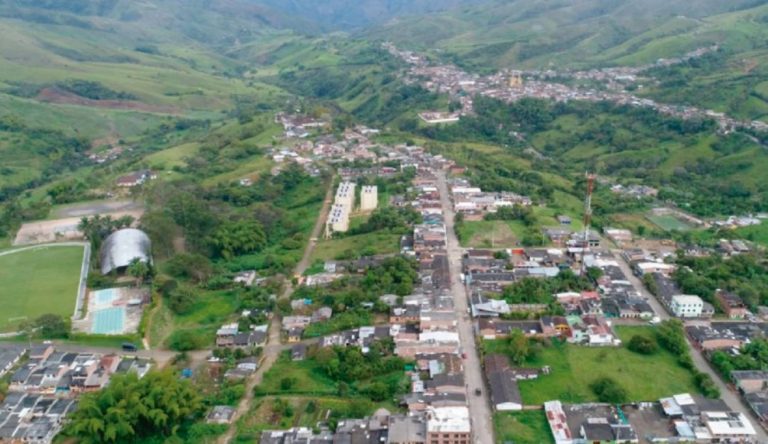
{"x": 643, "y": 345}
{"x": 186, "y": 340}
{"x": 707, "y": 386}
{"x": 608, "y": 390}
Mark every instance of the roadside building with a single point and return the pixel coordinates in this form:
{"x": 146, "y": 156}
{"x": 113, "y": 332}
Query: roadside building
{"x": 687, "y": 306}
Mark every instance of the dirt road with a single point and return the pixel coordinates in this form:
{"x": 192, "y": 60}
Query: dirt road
{"x": 274, "y": 348}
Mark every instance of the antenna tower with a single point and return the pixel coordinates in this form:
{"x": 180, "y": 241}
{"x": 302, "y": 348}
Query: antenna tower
{"x": 587, "y": 218}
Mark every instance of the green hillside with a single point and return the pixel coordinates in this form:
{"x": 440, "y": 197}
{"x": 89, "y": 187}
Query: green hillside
{"x": 76, "y": 75}
{"x": 557, "y": 33}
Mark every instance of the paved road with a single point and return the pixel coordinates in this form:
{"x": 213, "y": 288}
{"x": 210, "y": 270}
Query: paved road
{"x": 479, "y": 406}
{"x": 661, "y": 312}
{"x": 274, "y": 348}
{"x": 161, "y": 357}
{"x": 731, "y": 397}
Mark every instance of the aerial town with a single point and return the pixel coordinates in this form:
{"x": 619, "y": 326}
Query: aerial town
{"x": 383, "y": 222}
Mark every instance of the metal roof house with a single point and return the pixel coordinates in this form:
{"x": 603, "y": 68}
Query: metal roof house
{"x": 122, "y": 247}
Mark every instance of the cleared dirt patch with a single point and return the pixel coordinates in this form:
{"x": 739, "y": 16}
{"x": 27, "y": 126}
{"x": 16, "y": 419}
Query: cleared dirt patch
{"x": 46, "y": 231}
{"x": 57, "y": 95}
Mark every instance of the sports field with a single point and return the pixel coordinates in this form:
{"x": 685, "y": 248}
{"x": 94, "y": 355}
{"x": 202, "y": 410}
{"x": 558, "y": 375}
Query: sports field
{"x": 669, "y": 223}
{"x": 38, "y": 281}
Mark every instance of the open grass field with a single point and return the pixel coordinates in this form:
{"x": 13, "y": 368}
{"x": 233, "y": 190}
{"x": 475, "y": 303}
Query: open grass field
{"x": 38, "y": 281}
{"x": 645, "y": 378}
{"x": 489, "y": 234}
{"x": 373, "y": 243}
{"x": 669, "y": 223}
{"x": 755, "y": 233}
{"x": 307, "y": 377}
{"x": 524, "y": 427}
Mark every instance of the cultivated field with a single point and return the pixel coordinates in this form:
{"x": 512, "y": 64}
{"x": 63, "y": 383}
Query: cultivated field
{"x": 38, "y": 281}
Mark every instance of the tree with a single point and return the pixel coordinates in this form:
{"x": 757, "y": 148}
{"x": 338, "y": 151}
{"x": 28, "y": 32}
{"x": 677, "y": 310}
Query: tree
{"x": 181, "y": 299}
{"x": 608, "y": 390}
{"x": 130, "y": 409}
{"x": 642, "y": 344}
{"x": 140, "y": 270}
{"x": 239, "y": 237}
{"x": 190, "y": 265}
{"x": 52, "y": 326}
{"x": 518, "y": 347}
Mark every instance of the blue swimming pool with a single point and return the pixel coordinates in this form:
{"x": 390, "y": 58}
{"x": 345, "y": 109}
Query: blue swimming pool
{"x": 104, "y": 297}
{"x": 109, "y": 321}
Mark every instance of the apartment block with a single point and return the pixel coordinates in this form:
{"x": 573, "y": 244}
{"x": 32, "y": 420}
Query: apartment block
{"x": 369, "y": 198}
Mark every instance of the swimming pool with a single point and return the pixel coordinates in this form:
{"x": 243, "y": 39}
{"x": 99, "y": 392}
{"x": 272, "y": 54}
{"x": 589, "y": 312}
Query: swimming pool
{"x": 104, "y": 297}
{"x": 109, "y": 321}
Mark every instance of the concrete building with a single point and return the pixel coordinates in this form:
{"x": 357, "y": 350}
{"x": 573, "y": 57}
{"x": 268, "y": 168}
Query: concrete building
{"x": 369, "y": 198}
{"x": 686, "y": 306}
{"x": 448, "y": 425}
{"x": 345, "y": 194}
{"x": 338, "y": 218}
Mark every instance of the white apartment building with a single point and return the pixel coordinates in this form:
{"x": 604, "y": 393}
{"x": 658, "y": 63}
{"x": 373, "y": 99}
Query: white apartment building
{"x": 345, "y": 195}
{"x": 686, "y": 306}
{"x": 369, "y": 198}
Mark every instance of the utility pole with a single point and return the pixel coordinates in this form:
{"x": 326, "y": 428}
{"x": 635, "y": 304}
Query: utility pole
{"x": 587, "y": 219}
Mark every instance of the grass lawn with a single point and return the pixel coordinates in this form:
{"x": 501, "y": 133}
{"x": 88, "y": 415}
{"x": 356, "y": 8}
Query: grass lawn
{"x": 375, "y": 243}
{"x": 524, "y": 427}
{"x": 38, "y": 281}
{"x": 488, "y": 234}
{"x": 307, "y": 376}
{"x": 270, "y": 413}
{"x": 669, "y": 223}
{"x": 645, "y": 378}
{"x": 756, "y": 233}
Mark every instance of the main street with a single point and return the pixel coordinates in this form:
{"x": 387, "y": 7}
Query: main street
{"x": 727, "y": 394}
{"x": 479, "y": 406}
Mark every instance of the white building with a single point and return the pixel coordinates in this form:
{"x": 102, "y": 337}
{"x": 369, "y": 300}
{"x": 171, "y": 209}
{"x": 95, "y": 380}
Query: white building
{"x": 686, "y": 306}
{"x": 338, "y": 220}
{"x": 345, "y": 194}
{"x": 448, "y": 424}
{"x": 369, "y": 198}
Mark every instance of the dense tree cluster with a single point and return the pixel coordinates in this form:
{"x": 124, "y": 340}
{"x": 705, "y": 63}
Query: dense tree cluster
{"x": 130, "y": 409}
{"x": 746, "y": 275}
{"x": 364, "y": 372}
{"x": 540, "y": 291}
{"x": 396, "y": 220}
{"x": 752, "y": 356}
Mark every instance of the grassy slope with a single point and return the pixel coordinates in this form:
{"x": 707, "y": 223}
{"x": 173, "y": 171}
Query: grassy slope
{"x": 37, "y": 282}
{"x": 538, "y": 33}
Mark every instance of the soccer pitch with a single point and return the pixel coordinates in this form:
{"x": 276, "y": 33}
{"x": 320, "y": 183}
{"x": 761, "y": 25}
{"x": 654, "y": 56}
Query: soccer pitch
{"x": 669, "y": 223}
{"x": 37, "y": 281}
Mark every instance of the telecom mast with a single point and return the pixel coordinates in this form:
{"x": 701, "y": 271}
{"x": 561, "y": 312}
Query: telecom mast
{"x": 587, "y": 219}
